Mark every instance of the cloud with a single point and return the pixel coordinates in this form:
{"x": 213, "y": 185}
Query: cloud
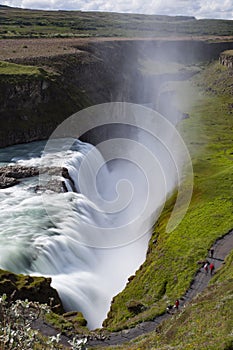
{"x": 197, "y": 8}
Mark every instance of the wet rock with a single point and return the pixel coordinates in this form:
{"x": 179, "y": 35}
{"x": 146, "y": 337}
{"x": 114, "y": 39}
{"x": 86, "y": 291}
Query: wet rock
{"x": 54, "y": 185}
{"x": 18, "y": 171}
{"x": 10, "y": 176}
{"x": 6, "y": 182}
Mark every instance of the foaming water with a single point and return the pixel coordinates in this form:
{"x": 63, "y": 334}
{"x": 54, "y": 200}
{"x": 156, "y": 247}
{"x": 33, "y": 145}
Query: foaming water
{"x": 92, "y": 238}
{"x": 48, "y": 234}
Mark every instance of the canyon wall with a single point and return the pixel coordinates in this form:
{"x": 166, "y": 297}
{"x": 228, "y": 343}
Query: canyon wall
{"x": 101, "y": 71}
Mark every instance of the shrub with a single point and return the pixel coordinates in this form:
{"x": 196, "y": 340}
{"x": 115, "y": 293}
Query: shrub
{"x": 16, "y": 330}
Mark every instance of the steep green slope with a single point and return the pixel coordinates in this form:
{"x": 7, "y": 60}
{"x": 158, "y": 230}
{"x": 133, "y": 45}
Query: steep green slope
{"x": 172, "y": 258}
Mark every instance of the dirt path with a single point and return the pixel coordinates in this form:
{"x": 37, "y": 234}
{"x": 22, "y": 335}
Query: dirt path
{"x": 222, "y": 248}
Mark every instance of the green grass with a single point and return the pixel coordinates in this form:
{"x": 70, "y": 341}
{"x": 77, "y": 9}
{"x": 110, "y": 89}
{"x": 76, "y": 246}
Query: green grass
{"x": 7, "y": 68}
{"x": 172, "y": 261}
{"x": 33, "y": 23}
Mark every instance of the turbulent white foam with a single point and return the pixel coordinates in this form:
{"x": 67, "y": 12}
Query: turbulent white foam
{"x": 88, "y": 251}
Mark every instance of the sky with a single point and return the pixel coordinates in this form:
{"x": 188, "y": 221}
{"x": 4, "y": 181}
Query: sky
{"x": 198, "y": 8}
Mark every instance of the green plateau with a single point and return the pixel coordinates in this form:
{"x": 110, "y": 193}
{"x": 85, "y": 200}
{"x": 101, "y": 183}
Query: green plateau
{"x": 18, "y": 23}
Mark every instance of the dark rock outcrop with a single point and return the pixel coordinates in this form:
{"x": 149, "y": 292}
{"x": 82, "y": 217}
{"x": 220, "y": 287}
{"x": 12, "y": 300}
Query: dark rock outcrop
{"x": 30, "y": 288}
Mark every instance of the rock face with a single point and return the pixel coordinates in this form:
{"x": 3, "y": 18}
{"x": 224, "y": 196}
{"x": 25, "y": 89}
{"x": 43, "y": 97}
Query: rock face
{"x": 226, "y": 58}
{"x": 31, "y": 288}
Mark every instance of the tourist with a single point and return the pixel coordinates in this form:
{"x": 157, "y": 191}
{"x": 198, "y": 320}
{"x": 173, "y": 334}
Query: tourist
{"x": 169, "y": 309}
{"x": 177, "y": 303}
{"x": 206, "y": 268}
{"x": 212, "y": 253}
{"x": 211, "y": 269}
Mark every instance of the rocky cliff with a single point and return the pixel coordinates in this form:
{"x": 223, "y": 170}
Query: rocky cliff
{"x": 100, "y": 71}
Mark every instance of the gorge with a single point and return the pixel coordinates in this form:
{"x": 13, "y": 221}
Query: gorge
{"x": 32, "y": 107}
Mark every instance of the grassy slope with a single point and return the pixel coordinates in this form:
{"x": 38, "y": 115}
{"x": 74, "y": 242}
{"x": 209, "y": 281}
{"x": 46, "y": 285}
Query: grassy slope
{"x": 19, "y": 72}
{"x": 172, "y": 261}
{"x": 34, "y": 23}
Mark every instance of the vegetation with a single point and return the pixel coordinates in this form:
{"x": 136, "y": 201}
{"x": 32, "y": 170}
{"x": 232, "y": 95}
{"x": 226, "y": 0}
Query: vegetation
{"x": 16, "y": 327}
{"x": 69, "y": 323}
{"x": 208, "y": 135}
{"x": 29, "y": 287}
{"x": 228, "y": 53}
{"x": 7, "y": 68}
{"x": 17, "y": 22}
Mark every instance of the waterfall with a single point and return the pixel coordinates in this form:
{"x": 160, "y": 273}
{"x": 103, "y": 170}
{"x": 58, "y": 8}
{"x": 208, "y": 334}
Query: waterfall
{"x": 93, "y": 237}
{"x": 58, "y": 242}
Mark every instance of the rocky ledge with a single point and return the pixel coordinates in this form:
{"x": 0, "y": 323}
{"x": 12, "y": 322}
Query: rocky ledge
{"x": 11, "y": 175}
{"x": 30, "y": 288}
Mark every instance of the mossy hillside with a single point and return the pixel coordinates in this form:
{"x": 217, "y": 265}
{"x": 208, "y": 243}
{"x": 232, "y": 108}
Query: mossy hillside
{"x": 172, "y": 259}
{"x": 8, "y": 68}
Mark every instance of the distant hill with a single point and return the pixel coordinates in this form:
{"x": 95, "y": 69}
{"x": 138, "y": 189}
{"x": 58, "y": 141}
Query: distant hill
{"x": 17, "y": 23}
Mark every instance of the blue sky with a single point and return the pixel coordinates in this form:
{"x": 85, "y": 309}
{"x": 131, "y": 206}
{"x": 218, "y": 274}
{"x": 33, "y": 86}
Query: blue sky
{"x": 197, "y": 8}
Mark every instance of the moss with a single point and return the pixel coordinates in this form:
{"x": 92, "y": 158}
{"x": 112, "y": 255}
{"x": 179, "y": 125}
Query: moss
{"x": 14, "y": 72}
{"x": 31, "y": 288}
{"x": 69, "y": 323}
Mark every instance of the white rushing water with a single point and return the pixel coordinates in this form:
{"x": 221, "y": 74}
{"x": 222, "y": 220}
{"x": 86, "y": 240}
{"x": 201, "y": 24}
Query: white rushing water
{"x": 92, "y": 238}
{"x": 33, "y": 242}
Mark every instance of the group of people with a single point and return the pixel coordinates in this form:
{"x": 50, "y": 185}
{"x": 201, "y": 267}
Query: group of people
{"x": 172, "y": 307}
{"x": 209, "y": 266}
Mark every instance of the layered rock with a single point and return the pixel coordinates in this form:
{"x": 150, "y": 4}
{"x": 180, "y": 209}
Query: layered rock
{"x": 226, "y": 58}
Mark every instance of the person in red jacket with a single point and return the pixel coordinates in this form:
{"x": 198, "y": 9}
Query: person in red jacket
{"x": 211, "y": 268}
{"x": 177, "y": 303}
